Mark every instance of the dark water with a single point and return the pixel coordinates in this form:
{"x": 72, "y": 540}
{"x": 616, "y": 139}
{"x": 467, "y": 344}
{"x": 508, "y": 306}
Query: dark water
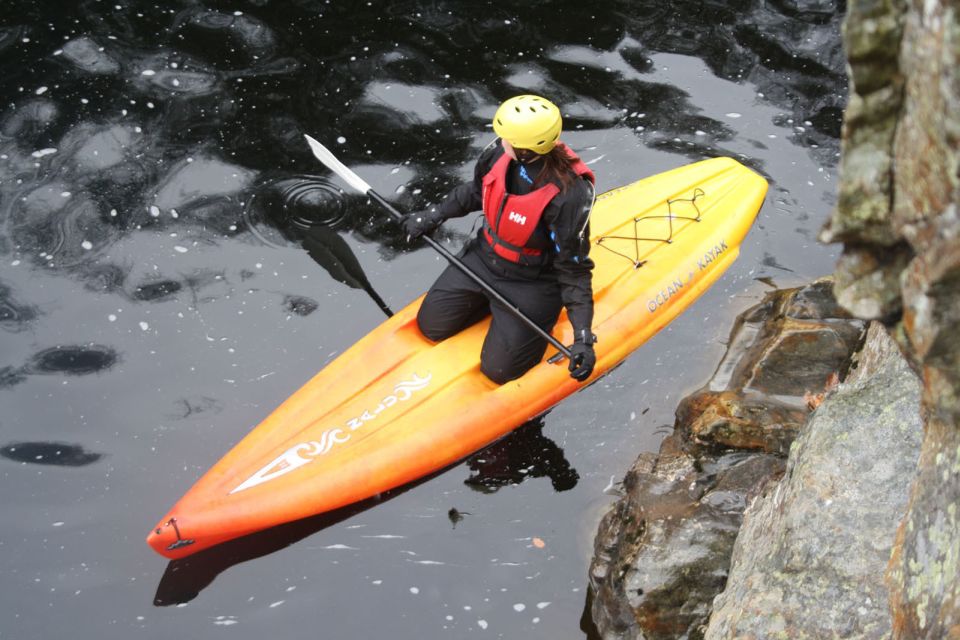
{"x": 173, "y": 263}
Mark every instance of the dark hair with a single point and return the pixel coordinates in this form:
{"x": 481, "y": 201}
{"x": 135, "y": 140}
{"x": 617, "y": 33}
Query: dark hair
{"x": 557, "y": 168}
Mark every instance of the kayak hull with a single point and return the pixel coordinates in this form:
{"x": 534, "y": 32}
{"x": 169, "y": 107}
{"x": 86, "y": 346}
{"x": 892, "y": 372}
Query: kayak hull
{"x": 395, "y": 407}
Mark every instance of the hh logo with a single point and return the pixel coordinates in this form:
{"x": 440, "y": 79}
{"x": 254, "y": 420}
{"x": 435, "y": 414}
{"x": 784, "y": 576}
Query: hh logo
{"x": 516, "y": 217}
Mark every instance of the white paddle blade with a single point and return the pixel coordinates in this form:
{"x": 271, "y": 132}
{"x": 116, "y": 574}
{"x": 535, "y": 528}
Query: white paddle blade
{"x": 323, "y": 155}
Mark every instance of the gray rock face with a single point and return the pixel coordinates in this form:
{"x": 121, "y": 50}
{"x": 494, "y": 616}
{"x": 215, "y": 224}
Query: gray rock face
{"x": 810, "y": 558}
{"x": 663, "y": 551}
{"x": 897, "y": 216}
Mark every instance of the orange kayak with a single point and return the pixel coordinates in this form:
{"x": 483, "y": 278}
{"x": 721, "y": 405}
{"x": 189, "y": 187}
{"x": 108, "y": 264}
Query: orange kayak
{"x": 396, "y": 407}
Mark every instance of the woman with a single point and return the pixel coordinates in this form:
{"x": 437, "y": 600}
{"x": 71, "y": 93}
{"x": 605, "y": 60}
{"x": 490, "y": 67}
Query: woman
{"x": 536, "y": 195}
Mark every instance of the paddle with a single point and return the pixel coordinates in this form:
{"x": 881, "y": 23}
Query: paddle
{"x": 326, "y": 157}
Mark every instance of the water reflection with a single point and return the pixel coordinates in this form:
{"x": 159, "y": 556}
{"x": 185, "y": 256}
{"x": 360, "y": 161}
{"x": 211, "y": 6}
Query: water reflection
{"x": 184, "y": 579}
{"x": 49, "y": 453}
{"x": 308, "y": 210}
{"x": 524, "y": 453}
{"x": 139, "y": 129}
{"x": 14, "y": 316}
{"x": 74, "y": 360}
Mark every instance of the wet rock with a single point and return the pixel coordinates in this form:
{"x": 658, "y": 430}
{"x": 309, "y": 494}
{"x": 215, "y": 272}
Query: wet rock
{"x": 784, "y": 347}
{"x": 663, "y": 551}
{"x": 89, "y": 56}
{"x": 727, "y": 419}
{"x": 810, "y": 558}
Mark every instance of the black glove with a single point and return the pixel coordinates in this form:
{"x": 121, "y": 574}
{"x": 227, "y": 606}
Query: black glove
{"x": 420, "y": 222}
{"x": 582, "y": 356}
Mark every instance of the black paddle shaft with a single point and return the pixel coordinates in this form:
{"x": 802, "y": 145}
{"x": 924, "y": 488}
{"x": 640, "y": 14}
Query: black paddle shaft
{"x": 452, "y": 259}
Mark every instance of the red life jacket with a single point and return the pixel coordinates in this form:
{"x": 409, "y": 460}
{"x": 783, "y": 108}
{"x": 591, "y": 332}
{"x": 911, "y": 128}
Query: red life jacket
{"x": 510, "y": 220}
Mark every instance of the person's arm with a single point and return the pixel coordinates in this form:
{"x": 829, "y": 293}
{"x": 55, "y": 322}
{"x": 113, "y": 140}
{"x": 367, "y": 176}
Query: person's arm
{"x": 462, "y": 199}
{"x": 570, "y": 230}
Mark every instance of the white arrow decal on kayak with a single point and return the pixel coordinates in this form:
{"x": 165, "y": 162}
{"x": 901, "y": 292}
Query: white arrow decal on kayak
{"x": 305, "y": 452}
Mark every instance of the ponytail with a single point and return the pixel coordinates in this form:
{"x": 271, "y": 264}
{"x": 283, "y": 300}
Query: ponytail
{"x": 557, "y": 168}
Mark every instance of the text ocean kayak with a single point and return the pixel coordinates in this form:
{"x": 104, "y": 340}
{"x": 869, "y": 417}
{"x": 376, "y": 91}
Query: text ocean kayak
{"x": 396, "y": 407}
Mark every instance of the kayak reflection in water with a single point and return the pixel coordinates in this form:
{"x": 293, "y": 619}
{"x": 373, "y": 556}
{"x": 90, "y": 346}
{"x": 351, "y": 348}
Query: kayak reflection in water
{"x": 536, "y": 196}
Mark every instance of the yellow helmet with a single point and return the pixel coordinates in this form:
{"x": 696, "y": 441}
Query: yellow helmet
{"x": 529, "y": 122}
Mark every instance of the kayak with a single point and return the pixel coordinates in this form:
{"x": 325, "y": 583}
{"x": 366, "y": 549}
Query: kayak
{"x": 396, "y": 407}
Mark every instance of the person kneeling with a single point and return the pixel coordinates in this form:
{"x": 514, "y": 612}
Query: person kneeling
{"x": 533, "y": 248}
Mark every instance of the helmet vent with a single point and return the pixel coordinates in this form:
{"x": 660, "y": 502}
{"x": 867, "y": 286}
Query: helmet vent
{"x": 533, "y": 110}
{"x": 517, "y": 109}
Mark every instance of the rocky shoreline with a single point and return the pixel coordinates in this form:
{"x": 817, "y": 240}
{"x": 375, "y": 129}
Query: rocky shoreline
{"x": 714, "y": 530}
{"x": 812, "y": 488}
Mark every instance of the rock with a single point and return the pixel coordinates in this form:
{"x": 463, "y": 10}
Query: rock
{"x": 897, "y": 215}
{"x": 663, "y": 551}
{"x": 729, "y": 420}
{"x": 872, "y": 34}
{"x": 810, "y": 558}
{"x": 656, "y": 566}
{"x": 784, "y": 347}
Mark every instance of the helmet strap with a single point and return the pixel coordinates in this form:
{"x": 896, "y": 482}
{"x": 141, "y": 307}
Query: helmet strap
{"x": 527, "y": 156}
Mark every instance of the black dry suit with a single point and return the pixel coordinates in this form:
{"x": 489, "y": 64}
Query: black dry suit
{"x": 560, "y": 277}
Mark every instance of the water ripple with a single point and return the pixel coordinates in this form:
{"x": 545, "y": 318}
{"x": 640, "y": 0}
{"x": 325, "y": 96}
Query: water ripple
{"x": 303, "y": 201}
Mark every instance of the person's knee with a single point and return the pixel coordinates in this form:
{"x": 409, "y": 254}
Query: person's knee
{"x": 505, "y": 367}
{"x": 497, "y": 373}
{"x": 431, "y": 329}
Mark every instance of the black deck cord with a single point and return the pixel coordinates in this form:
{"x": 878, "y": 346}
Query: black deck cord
{"x": 636, "y": 238}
